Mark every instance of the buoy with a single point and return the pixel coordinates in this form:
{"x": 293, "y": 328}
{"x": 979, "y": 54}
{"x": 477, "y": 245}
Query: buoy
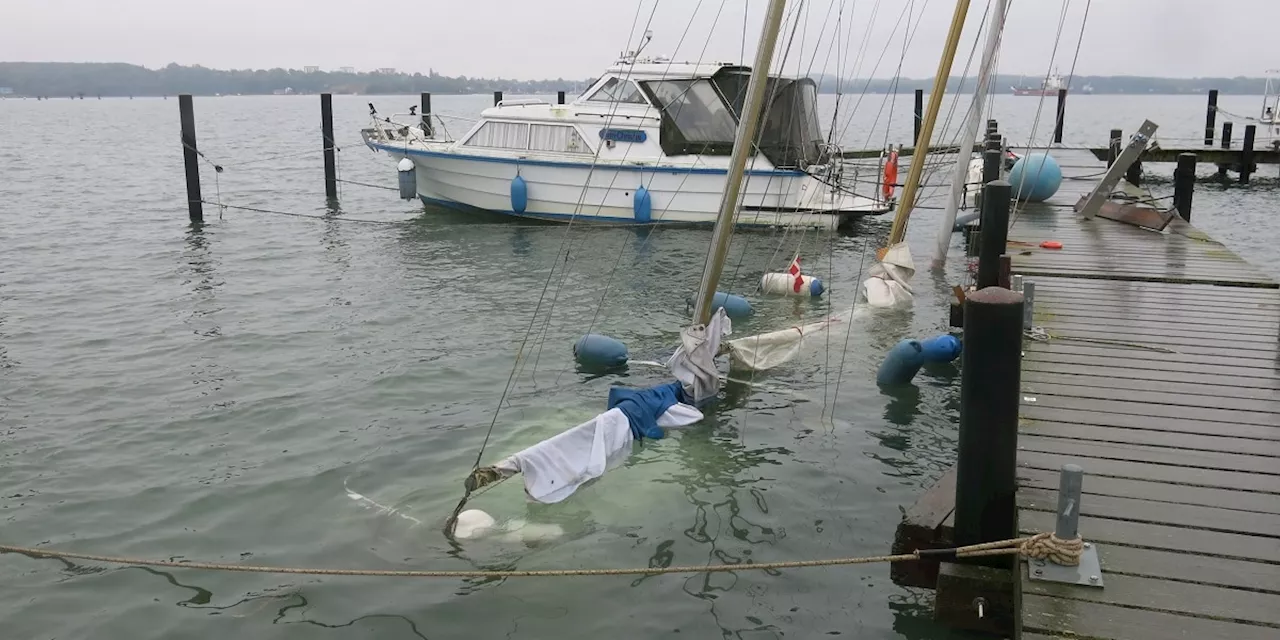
{"x": 734, "y": 306}
{"x": 519, "y": 195}
{"x": 1050, "y": 244}
{"x": 906, "y": 358}
{"x": 408, "y": 179}
{"x": 1035, "y": 177}
{"x": 784, "y": 284}
{"x": 890, "y": 174}
{"x": 473, "y": 523}
{"x": 642, "y": 205}
{"x": 963, "y": 221}
{"x": 599, "y": 352}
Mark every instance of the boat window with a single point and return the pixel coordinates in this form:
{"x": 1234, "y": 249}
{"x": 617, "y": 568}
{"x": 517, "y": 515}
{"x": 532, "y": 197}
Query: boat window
{"x": 555, "y": 137}
{"x": 618, "y": 90}
{"x": 500, "y": 135}
{"x": 694, "y": 118}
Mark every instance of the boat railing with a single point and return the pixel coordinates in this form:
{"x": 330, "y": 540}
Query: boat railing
{"x": 520, "y": 102}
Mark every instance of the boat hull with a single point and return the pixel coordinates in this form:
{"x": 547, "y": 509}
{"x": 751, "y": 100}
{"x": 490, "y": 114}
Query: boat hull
{"x": 563, "y": 191}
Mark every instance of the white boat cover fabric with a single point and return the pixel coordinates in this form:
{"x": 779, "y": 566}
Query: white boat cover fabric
{"x": 556, "y": 467}
{"x": 694, "y": 362}
{"x": 768, "y": 350}
{"x": 890, "y": 282}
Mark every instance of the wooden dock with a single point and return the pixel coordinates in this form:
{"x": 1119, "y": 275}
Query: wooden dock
{"x": 1158, "y": 372}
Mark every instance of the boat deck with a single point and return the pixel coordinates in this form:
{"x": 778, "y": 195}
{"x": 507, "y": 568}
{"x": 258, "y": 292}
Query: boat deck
{"x": 1160, "y": 376}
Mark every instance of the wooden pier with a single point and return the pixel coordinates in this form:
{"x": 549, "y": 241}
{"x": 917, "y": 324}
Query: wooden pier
{"x": 1153, "y": 362}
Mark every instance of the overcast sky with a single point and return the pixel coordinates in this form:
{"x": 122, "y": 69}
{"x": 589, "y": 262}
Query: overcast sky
{"x": 531, "y": 39}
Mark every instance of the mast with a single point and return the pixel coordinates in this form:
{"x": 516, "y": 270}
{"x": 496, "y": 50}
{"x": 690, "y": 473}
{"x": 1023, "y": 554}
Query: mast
{"x": 742, "y": 145}
{"x": 899, "y": 229}
{"x": 995, "y": 30}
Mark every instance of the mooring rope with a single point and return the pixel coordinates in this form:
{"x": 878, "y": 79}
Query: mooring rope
{"x": 300, "y": 215}
{"x": 1040, "y": 334}
{"x": 1039, "y": 546}
{"x": 368, "y": 184}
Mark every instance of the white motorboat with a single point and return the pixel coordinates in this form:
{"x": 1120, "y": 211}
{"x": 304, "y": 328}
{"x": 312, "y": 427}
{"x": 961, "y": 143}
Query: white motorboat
{"x": 648, "y": 142}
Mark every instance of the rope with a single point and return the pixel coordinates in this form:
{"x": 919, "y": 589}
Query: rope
{"x": 1040, "y": 334}
{"x": 1039, "y": 546}
{"x": 367, "y": 184}
{"x": 299, "y": 215}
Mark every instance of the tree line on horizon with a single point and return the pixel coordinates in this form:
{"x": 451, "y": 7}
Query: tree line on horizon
{"x": 59, "y": 79}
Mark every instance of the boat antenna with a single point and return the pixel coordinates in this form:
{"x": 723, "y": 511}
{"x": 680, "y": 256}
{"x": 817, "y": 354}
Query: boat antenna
{"x": 742, "y": 146}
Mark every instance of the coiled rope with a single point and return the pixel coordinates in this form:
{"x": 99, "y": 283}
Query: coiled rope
{"x": 1039, "y": 546}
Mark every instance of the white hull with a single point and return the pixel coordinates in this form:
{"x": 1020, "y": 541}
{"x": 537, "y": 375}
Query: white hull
{"x": 606, "y": 193}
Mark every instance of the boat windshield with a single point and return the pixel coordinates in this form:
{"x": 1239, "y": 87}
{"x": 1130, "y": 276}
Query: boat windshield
{"x": 701, "y": 116}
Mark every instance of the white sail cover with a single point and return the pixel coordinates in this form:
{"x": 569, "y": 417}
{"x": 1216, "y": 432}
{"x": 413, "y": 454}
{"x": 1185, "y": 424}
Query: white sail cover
{"x": 694, "y": 362}
{"x": 768, "y": 350}
{"x": 890, "y": 281}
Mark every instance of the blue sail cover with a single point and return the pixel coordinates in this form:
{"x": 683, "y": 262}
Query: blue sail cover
{"x": 643, "y": 406}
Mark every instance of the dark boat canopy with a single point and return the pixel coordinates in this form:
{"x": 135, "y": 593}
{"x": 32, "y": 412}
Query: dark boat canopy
{"x": 700, "y": 116}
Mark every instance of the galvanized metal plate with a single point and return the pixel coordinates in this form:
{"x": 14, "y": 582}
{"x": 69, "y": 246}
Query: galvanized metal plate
{"x": 1088, "y": 573}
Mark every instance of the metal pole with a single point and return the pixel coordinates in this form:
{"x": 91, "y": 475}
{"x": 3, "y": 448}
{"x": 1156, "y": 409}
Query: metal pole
{"x": 497, "y": 97}
{"x": 330, "y": 163}
{"x": 742, "y": 146}
{"x": 919, "y": 118}
{"x": 190, "y": 161}
{"x": 1070, "y": 484}
{"x": 1246, "y": 153}
{"x": 1210, "y": 117}
{"x": 995, "y": 231}
{"x": 559, "y": 97}
{"x": 1028, "y": 304}
{"x": 1062, "y": 114}
{"x": 1184, "y": 184}
{"x": 986, "y": 463}
{"x": 426, "y": 113}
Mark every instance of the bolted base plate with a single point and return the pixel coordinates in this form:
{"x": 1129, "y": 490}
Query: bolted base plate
{"x": 1088, "y": 573}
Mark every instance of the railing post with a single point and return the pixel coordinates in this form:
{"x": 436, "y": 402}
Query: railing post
{"x": 330, "y": 162}
{"x": 1210, "y": 118}
{"x": 1062, "y": 115}
{"x": 988, "y": 441}
{"x": 995, "y": 231}
{"x": 190, "y": 161}
{"x": 1184, "y": 184}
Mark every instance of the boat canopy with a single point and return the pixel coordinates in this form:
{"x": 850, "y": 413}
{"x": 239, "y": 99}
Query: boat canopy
{"x": 700, "y": 116}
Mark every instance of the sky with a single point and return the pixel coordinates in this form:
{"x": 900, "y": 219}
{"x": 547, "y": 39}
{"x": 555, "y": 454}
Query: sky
{"x": 537, "y": 39}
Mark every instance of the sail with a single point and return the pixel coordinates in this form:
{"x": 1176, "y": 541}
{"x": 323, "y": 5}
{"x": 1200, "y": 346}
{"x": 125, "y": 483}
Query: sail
{"x": 774, "y": 348}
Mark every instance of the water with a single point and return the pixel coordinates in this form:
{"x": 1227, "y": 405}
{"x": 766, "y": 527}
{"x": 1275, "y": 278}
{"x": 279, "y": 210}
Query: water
{"x": 210, "y": 393}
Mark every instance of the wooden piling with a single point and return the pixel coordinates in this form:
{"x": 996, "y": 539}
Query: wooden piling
{"x": 988, "y": 439}
{"x": 995, "y": 231}
{"x": 1184, "y": 184}
{"x": 1062, "y": 114}
{"x": 330, "y": 162}
{"x": 190, "y": 161}
{"x": 1210, "y": 118}
{"x": 559, "y": 97}
{"x": 497, "y": 97}
{"x": 919, "y": 118}
{"x": 1226, "y": 135}
{"x": 1246, "y": 154}
{"x": 990, "y": 165}
{"x": 1113, "y": 146}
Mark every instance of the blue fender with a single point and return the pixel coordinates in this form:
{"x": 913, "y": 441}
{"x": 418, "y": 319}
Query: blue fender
{"x": 905, "y": 358}
{"x": 642, "y": 205}
{"x": 519, "y": 195}
{"x": 599, "y": 351}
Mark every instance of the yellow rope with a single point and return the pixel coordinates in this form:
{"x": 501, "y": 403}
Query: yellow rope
{"x": 1003, "y": 547}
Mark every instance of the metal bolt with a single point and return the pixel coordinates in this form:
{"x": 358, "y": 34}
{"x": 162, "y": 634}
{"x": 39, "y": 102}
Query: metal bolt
{"x": 1088, "y": 545}
{"x": 1039, "y": 572}
{"x": 1093, "y": 578}
{"x": 980, "y": 603}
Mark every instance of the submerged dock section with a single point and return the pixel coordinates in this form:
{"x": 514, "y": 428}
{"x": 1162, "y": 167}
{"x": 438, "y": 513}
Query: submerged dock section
{"x": 1151, "y": 360}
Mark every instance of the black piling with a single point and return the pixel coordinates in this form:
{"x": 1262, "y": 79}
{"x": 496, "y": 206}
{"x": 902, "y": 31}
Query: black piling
{"x": 990, "y": 165}
{"x": 190, "y": 161}
{"x": 1062, "y": 115}
{"x": 1246, "y": 154}
{"x": 497, "y": 97}
{"x": 995, "y": 231}
{"x": 1211, "y": 118}
{"x": 919, "y": 117}
{"x": 559, "y": 97}
{"x": 988, "y": 441}
{"x": 1113, "y": 146}
{"x": 330, "y": 162}
{"x": 1226, "y": 135}
{"x": 1184, "y": 184}
{"x": 426, "y": 112}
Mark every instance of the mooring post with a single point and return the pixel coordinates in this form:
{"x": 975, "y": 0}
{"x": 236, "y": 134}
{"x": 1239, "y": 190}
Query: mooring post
{"x": 1226, "y": 135}
{"x": 919, "y": 119}
{"x": 993, "y": 125}
{"x": 988, "y": 440}
{"x": 994, "y": 141}
{"x": 1210, "y": 118}
{"x": 190, "y": 161}
{"x": 497, "y": 97}
{"x": 1070, "y": 485}
{"x": 990, "y": 165}
{"x": 1062, "y": 115}
{"x": 1113, "y": 146}
{"x": 330, "y": 163}
{"x": 1184, "y": 184}
{"x": 1028, "y": 304}
{"x": 995, "y": 231}
{"x": 1246, "y": 153}
{"x": 426, "y": 112}
{"x": 559, "y": 97}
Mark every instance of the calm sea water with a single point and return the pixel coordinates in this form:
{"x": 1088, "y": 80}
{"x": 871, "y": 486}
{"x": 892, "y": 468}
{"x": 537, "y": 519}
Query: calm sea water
{"x": 211, "y": 393}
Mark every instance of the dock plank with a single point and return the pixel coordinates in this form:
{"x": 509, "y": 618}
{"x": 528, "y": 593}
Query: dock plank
{"x": 1152, "y": 438}
{"x": 1164, "y": 537}
{"x": 1201, "y": 600}
{"x": 1208, "y": 518}
{"x": 1185, "y": 458}
{"x": 1064, "y": 617}
{"x": 1156, "y": 491}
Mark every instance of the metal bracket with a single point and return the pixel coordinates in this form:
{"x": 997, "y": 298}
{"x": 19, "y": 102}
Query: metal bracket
{"x": 1087, "y": 574}
{"x": 1089, "y": 205}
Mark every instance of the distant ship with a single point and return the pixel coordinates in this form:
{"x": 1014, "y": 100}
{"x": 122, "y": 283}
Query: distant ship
{"x": 1049, "y": 88}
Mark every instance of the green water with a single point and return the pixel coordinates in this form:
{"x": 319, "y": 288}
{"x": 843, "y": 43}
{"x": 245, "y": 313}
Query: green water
{"x": 211, "y": 394}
